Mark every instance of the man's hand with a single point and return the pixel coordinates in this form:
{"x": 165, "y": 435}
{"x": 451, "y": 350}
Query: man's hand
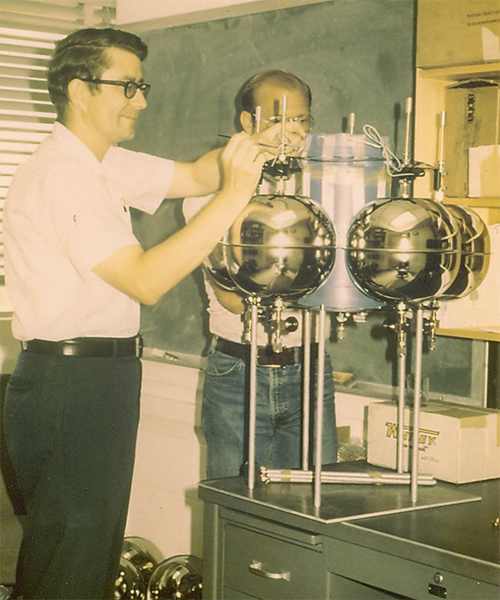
{"x": 242, "y": 161}
{"x": 292, "y": 140}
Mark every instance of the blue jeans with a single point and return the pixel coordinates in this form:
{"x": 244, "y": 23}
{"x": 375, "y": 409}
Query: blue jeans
{"x": 279, "y": 416}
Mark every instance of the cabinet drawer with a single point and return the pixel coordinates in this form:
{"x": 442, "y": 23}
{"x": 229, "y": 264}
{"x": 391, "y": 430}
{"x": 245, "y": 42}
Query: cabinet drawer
{"x": 270, "y": 568}
{"x": 409, "y": 579}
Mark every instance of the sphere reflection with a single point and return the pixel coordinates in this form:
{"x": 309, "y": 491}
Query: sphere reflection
{"x": 279, "y": 246}
{"x": 474, "y": 253}
{"x": 404, "y": 249}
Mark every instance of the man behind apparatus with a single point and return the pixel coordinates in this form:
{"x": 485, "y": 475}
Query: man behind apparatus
{"x": 279, "y": 375}
{"x": 76, "y": 276}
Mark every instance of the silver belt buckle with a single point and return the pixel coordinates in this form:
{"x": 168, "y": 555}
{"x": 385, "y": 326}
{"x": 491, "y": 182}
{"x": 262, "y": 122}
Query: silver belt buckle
{"x": 138, "y": 346}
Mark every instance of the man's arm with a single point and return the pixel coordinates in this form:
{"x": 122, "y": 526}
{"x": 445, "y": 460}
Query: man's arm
{"x": 147, "y": 276}
{"x": 199, "y": 178}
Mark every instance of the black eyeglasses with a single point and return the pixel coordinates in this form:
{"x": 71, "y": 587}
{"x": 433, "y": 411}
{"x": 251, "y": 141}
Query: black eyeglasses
{"x": 306, "y": 121}
{"x": 129, "y": 87}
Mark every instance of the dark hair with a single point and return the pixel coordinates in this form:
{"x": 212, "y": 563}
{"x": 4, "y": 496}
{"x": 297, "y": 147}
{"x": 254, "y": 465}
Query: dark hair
{"x": 82, "y": 54}
{"x": 275, "y": 76}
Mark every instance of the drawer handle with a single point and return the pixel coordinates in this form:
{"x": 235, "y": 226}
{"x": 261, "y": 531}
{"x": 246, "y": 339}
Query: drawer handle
{"x": 256, "y": 569}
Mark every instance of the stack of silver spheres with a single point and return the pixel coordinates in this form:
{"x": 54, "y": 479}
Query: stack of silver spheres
{"x": 145, "y": 575}
{"x": 398, "y": 249}
{"x": 414, "y": 250}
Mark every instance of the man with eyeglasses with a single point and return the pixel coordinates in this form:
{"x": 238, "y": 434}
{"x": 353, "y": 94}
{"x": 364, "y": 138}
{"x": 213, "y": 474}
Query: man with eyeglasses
{"x": 279, "y": 374}
{"x": 76, "y": 276}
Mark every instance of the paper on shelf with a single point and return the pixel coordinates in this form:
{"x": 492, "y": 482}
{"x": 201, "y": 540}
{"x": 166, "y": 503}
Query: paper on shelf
{"x": 484, "y": 171}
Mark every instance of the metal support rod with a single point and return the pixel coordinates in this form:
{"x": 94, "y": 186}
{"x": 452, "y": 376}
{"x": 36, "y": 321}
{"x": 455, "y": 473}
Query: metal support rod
{"x": 406, "y": 186}
{"x": 416, "y": 402}
{"x": 319, "y": 407}
{"x": 258, "y": 113}
{"x": 252, "y": 412}
{"x": 306, "y": 386}
{"x": 305, "y": 476}
{"x": 352, "y": 120}
{"x": 281, "y": 147}
{"x": 402, "y": 386}
{"x": 408, "y": 111}
{"x": 439, "y": 195}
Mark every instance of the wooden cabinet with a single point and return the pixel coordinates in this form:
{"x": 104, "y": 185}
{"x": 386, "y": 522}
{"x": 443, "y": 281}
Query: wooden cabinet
{"x": 457, "y": 41}
{"x": 431, "y": 84}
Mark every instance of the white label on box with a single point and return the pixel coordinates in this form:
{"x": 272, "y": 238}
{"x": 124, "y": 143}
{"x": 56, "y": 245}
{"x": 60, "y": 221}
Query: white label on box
{"x": 491, "y": 44}
{"x": 484, "y": 171}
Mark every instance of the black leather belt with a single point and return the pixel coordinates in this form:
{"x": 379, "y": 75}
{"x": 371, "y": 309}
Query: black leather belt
{"x": 89, "y": 347}
{"x": 266, "y": 357}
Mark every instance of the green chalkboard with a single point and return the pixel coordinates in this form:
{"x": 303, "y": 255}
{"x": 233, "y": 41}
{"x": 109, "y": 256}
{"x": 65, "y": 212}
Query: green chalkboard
{"x": 357, "y": 56}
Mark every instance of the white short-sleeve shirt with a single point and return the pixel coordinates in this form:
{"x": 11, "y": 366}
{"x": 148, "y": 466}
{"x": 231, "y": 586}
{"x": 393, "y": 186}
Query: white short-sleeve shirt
{"x": 66, "y": 212}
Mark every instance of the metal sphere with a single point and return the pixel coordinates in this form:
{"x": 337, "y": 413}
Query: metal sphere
{"x": 404, "y": 249}
{"x": 143, "y": 554}
{"x": 280, "y": 246}
{"x": 129, "y": 584}
{"x": 216, "y": 267}
{"x": 178, "y": 577}
{"x": 474, "y": 253}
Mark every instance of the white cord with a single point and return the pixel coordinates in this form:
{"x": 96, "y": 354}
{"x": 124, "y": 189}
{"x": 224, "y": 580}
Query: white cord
{"x": 392, "y": 162}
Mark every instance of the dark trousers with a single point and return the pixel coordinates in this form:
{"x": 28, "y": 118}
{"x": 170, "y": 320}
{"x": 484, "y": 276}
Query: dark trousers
{"x": 70, "y": 427}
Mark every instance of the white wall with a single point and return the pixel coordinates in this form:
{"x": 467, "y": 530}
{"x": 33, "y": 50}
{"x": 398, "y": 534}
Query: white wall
{"x": 170, "y": 461}
{"x": 169, "y": 13}
{"x": 140, "y": 10}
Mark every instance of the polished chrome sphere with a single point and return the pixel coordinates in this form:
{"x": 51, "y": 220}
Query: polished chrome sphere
{"x": 129, "y": 584}
{"x": 474, "y": 252}
{"x": 143, "y": 555}
{"x": 404, "y": 249}
{"x": 280, "y": 246}
{"x": 177, "y": 578}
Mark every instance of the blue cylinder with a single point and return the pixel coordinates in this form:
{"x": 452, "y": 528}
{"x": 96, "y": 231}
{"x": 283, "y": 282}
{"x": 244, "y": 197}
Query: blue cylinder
{"x": 343, "y": 172}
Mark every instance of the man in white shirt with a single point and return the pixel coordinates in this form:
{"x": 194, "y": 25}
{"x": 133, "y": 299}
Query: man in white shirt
{"x": 76, "y": 276}
{"x": 279, "y": 374}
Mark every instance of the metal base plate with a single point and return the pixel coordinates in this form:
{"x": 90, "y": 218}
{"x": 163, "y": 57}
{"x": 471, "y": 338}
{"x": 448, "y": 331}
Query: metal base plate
{"x": 339, "y": 502}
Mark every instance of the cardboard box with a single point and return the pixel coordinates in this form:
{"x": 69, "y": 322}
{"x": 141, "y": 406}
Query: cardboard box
{"x": 457, "y": 443}
{"x": 472, "y": 120}
{"x": 455, "y": 32}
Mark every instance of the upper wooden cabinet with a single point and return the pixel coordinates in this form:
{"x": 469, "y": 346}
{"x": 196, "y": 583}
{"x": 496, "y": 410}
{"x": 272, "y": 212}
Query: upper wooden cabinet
{"x": 457, "y": 106}
{"x": 457, "y": 32}
{"x": 458, "y": 84}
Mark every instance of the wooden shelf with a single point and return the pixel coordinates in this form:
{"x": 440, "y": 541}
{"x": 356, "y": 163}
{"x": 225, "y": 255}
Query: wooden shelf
{"x": 486, "y": 70}
{"x": 474, "y": 333}
{"x": 474, "y": 202}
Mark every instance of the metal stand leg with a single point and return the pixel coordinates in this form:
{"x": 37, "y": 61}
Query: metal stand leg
{"x": 402, "y": 386}
{"x": 319, "y": 407}
{"x": 306, "y": 386}
{"x": 252, "y": 412}
{"x": 416, "y": 402}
